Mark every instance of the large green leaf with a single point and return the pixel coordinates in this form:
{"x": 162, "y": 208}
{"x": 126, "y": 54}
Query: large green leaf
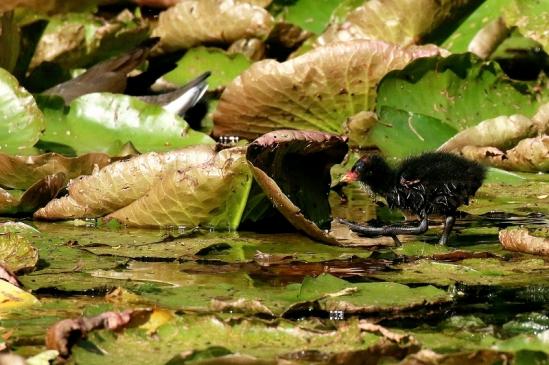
{"x": 531, "y": 17}
{"x": 104, "y": 122}
{"x": 311, "y": 15}
{"x": 459, "y": 90}
{"x": 400, "y": 134}
{"x": 224, "y": 67}
{"x": 21, "y": 122}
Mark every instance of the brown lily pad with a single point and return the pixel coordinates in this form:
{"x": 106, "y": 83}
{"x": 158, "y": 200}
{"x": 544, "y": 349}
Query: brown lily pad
{"x": 519, "y": 239}
{"x": 395, "y": 21}
{"x": 20, "y": 172}
{"x": 293, "y": 168}
{"x": 64, "y": 334}
{"x": 35, "y": 197}
{"x": 316, "y": 91}
{"x": 193, "y": 22}
{"x": 119, "y": 184}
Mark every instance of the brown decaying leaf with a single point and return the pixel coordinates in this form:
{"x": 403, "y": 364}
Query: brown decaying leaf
{"x": 530, "y": 155}
{"x": 317, "y": 90}
{"x": 489, "y": 38}
{"x": 193, "y": 22}
{"x": 500, "y": 132}
{"x": 265, "y": 158}
{"x": 481, "y": 357}
{"x": 36, "y": 196}
{"x": 519, "y": 239}
{"x": 120, "y": 183}
{"x": 20, "y": 172}
{"x": 397, "y": 21}
{"x": 191, "y": 197}
{"x": 64, "y": 334}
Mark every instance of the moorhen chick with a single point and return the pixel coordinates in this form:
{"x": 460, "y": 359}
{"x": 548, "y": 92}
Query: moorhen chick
{"x": 431, "y": 183}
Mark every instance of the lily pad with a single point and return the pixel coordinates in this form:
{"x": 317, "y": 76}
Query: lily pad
{"x": 78, "y": 39}
{"x": 191, "y": 23}
{"x": 224, "y": 67}
{"x": 18, "y": 172}
{"x": 397, "y": 22}
{"x": 459, "y": 90}
{"x": 310, "y": 15}
{"x": 188, "y": 187}
{"x": 20, "y": 119}
{"x": 35, "y": 197}
{"x": 213, "y": 194}
{"x": 317, "y": 90}
{"x": 17, "y": 253}
{"x": 103, "y": 122}
{"x": 519, "y": 239}
{"x": 11, "y": 297}
{"x": 288, "y": 165}
{"x": 531, "y": 18}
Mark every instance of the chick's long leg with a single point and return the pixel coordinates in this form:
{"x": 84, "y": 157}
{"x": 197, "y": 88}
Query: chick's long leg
{"x": 387, "y": 230}
{"x": 448, "y": 225}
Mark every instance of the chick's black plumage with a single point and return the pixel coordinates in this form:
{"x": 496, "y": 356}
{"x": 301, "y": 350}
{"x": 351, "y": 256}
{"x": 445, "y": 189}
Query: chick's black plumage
{"x": 431, "y": 183}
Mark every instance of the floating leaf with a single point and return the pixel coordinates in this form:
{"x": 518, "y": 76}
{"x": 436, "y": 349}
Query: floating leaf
{"x": 519, "y": 239}
{"x": 311, "y": 15}
{"x": 104, "y": 122}
{"x": 531, "y": 17}
{"x": 18, "y": 172}
{"x": 36, "y": 196}
{"x": 120, "y": 183}
{"x": 212, "y": 194}
{"x": 17, "y": 253}
{"x": 79, "y": 39}
{"x": 459, "y": 90}
{"x": 11, "y": 297}
{"x": 317, "y": 90}
{"x": 397, "y": 22}
{"x": 293, "y": 167}
{"x": 193, "y": 22}
{"x": 21, "y": 122}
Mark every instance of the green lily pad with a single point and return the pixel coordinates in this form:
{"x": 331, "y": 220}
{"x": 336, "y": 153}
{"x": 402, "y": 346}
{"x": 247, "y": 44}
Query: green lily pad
{"x": 17, "y": 253}
{"x": 459, "y": 90}
{"x": 251, "y": 338}
{"x": 487, "y": 11}
{"x": 224, "y": 67}
{"x": 310, "y": 15}
{"x": 471, "y": 272}
{"x": 21, "y": 122}
{"x": 531, "y": 17}
{"x": 399, "y": 133}
{"x": 104, "y": 122}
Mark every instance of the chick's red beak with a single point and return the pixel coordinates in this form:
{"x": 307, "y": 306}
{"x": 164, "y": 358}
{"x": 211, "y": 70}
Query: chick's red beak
{"x": 349, "y": 177}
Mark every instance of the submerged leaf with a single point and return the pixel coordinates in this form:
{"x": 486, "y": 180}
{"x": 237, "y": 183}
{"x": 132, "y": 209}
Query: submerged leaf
{"x": 318, "y": 90}
{"x": 21, "y": 122}
{"x": 18, "y": 172}
{"x": 193, "y": 22}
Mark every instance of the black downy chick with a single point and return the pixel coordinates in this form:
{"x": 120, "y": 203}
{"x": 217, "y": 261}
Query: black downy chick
{"x": 431, "y": 183}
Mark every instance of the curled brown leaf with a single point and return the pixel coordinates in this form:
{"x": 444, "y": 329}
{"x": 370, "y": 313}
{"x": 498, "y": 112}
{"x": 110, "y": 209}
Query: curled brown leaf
{"x": 64, "y": 334}
{"x": 519, "y": 239}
